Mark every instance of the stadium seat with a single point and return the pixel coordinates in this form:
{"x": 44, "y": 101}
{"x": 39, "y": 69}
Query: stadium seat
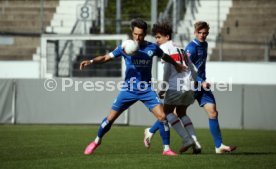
{"x": 20, "y": 21}
{"x": 248, "y": 28}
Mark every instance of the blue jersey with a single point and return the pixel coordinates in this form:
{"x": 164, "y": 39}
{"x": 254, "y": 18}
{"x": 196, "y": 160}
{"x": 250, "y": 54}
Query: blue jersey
{"x": 197, "y": 51}
{"x": 138, "y": 66}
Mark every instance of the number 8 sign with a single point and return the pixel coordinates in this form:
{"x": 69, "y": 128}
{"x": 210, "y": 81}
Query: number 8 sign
{"x": 84, "y": 12}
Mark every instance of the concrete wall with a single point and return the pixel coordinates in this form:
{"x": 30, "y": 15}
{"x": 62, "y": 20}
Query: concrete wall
{"x": 38, "y": 101}
{"x": 259, "y": 73}
{"x": 80, "y": 102}
{"x": 19, "y": 69}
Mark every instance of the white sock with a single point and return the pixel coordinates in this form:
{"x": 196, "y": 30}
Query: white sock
{"x": 166, "y": 147}
{"x": 176, "y": 124}
{"x": 187, "y": 123}
{"x": 150, "y": 134}
{"x": 98, "y": 140}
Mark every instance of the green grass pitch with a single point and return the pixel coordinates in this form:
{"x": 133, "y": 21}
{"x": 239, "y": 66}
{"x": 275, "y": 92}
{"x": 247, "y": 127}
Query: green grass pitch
{"x": 61, "y": 147}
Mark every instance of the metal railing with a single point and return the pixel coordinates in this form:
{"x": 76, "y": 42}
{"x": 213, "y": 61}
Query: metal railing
{"x": 68, "y": 45}
{"x": 270, "y": 44}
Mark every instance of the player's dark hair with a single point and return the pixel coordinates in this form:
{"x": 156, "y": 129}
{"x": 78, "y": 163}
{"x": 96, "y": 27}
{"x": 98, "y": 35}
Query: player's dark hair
{"x": 201, "y": 25}
{"x": 139, "y": 23}
{"x": 164, "y": 28}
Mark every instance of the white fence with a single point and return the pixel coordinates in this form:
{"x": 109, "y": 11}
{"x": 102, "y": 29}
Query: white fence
{"x": 245, "y": 107}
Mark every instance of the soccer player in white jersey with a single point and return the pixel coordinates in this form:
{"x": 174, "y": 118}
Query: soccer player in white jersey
{"x": 137, "y": 86}
{"x": 179, "y": 94}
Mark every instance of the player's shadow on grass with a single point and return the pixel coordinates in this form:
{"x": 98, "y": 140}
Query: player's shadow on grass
{"x": 243, "y": 153}
{"x": 253, "y": 153}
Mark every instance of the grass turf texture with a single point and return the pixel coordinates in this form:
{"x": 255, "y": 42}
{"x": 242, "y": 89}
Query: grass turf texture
{"x": 61, "y": 146}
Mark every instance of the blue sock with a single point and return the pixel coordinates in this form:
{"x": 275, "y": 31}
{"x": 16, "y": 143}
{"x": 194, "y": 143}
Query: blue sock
{"x": 164, "y": 131}
{"x": 155, "y": 126}
{"x": 104, "y": 127}
{"x": 215, "y": 131}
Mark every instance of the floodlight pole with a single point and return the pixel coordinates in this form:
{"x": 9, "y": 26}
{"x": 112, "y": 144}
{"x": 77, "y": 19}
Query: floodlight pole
{"x": 102, "y": 30}
{"x": 118, "y": 16}
{"x": 154, "y": 4}
{"x": 41, "y": 16}
{"x": 154, "y": 20}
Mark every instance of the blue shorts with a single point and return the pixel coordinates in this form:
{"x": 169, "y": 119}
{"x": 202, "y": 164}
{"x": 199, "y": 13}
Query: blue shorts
{"x": 126, "y": 98}
{"x": 203, "y": 97}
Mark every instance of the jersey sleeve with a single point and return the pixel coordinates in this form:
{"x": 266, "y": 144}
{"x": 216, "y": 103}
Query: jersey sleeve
{"x": 116, "y": 52}
{"x": 159, "y": 52}
{"x": 166, "y": 74}
{"x": 190, "y": 52}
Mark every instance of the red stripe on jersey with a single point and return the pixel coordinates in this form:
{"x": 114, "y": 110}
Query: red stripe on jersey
{"x": 175, "y": 57}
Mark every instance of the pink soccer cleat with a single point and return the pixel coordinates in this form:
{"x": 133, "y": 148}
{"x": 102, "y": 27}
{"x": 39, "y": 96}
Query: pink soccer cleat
{"x": 169, "y": 153}
{"x": 90, "y": 148}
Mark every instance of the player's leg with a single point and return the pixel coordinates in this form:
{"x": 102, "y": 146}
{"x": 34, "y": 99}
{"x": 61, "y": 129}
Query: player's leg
{"x": 103, "y": 129}
{"x": 208, "y": 102}
{"x": 213, "y": 123}
{"x": 149, "y": 132}
{"x": 154, "y": 127}
{"x": 215, "y": 130}
{"x": 164, "y": 129}
{"x": 121, "y": 103}
{"x": 178, "y": 127}
{"x": 152, "y": 102}
{"x": 172, "y": 99}
{"x": 186, "y": 99}
{"x": 187, "y": 123}
{"x": 106, "y": 124}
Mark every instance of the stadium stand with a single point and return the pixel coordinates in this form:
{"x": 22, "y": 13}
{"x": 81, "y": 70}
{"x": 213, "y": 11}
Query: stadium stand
{"x": 22, "y": 27}
{"x": 234, "y": 35}
{"x": 248, "y": 33}
{"x": 20, "y": 21}
{"x": 200, "y": 10}
{"x": 239, "y": 30}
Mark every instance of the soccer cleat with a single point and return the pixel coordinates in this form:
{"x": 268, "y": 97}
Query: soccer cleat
{"x": 186, "y": 146}
{"x": 169, "y": 153}
{"x": 147, "y": 137}
{"x": 90, "y": 148}
{"x": 196, "y": 148}
{"x": 225, "y": 149}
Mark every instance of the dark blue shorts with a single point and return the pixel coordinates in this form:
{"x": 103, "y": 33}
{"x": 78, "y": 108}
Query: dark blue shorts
{"x": 203, "y": 97}
{"x": 126, "y": 98}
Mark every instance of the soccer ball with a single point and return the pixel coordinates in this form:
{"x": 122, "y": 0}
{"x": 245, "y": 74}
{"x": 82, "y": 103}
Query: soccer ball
{"x": 130, "y": 46}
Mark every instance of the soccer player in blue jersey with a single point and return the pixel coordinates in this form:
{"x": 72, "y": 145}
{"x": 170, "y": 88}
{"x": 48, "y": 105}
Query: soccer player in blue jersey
{"x": 197, "y": 51}
{"x": 137, "y": 85}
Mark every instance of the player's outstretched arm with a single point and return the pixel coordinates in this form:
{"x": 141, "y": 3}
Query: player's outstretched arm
{"x": 96, "y": 60}
{"x": 178, "y": 67}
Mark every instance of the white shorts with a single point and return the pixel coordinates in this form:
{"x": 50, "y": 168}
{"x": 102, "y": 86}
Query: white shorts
{"x": 179, "y": 98}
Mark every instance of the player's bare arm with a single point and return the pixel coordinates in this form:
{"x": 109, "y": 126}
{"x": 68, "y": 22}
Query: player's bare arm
{"x": 96, "y": 60}
{"x": 179, "y": 67}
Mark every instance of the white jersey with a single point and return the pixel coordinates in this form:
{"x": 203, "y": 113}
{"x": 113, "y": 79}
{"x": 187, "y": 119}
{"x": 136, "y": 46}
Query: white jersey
{"x": 183, "y": 81}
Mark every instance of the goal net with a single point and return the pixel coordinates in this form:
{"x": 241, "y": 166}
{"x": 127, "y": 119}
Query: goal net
{"x": 60, "y": 55}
